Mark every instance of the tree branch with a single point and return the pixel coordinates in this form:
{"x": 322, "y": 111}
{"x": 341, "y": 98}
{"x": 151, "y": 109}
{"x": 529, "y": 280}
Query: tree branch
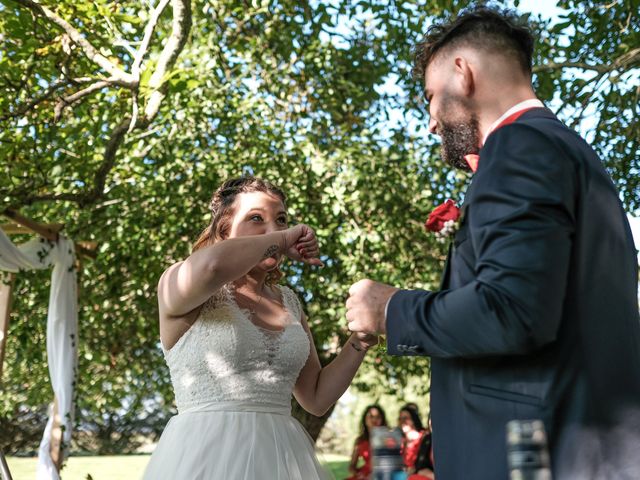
{"x": 181, "y": 26}
{"x": 21, "y": 110}
{"x": 88, "y": 49}
{"x": 175, "y": 43}
{"x": 108, "y": 161}
{"x": 623, "y": 61}
{"x": 148, "y": 32}
{"x": 100, "y": 178}
{"x": 72, "y": 99}
{"x": 587, "y": 99}
{"x": 51, "y": 89}
{"x": 627, "y": 59}
{"x": 560, "y": 65}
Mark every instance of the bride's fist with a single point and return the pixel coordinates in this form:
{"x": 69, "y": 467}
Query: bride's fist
{"x": 301, "y": 244}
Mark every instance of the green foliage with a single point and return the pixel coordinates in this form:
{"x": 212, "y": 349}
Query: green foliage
{"x": 595, "y": 49}
{"x": 288, "y": 90}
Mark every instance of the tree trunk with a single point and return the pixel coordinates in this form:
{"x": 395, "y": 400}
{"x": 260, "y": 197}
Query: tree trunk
{"x": 311, "y": 423}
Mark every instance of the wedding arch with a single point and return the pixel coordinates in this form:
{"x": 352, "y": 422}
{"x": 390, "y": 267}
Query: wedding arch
{"x": 49, "y": 249}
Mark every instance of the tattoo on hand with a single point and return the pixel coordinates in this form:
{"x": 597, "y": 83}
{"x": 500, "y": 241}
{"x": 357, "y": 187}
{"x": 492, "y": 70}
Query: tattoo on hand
{"x": 271, "y": 251}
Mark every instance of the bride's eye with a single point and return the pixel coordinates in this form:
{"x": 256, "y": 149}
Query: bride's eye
{"x": 282, "y": 220}
{"x": 255, "y": 218}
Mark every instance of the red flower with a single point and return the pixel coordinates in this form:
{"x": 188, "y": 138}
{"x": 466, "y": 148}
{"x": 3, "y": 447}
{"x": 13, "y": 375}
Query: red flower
{"x": 445, "y": 212}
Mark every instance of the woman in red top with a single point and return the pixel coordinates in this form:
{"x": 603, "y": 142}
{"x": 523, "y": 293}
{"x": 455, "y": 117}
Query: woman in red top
{"x": 373, "y": 416}
{"x": 423, "y": 468}
{"x": 411, "y": 425}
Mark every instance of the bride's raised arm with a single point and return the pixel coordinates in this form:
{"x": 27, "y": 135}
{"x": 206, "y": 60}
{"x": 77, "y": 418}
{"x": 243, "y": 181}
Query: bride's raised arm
{"x": 188, "y": 284}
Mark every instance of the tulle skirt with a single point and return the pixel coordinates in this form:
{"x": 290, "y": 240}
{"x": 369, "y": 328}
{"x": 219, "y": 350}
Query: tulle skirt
{"x": 235, "y": 442}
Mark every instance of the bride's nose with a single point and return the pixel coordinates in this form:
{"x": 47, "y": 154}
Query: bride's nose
{"x": 271, "y": 227}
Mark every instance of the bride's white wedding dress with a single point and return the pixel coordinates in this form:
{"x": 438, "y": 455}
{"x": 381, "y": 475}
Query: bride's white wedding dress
{"x": 233, "y": 382}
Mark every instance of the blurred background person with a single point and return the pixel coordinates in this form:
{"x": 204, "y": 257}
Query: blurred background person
{"x": 411, "y": 425}
{"x": 373, "y": 416}
{"x": 423, "y": 468}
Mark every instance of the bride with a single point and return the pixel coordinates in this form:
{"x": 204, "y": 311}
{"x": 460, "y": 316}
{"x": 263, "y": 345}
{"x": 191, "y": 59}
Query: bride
{"x": 238, "y": 345}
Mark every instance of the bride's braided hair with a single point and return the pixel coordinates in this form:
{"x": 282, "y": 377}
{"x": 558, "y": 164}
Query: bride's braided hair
{"x": 222, "y": 210}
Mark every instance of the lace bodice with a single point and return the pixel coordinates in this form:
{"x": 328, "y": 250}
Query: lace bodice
{"x": 225, "y": 357}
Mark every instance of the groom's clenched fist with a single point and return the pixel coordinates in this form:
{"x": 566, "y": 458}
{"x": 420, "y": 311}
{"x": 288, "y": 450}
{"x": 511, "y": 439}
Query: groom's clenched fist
{"x": 365, "y": 306}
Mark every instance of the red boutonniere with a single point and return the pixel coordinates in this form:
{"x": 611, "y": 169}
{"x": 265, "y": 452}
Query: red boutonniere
{"x": 443, "y": 221}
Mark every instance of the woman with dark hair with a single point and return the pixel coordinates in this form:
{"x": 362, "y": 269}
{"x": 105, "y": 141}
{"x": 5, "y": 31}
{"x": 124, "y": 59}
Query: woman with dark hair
{"x": 238, "y": 345}
{"x": 423, "y": 468}
{"x": 411, "y": 426}
{"x": 373, "y": 416}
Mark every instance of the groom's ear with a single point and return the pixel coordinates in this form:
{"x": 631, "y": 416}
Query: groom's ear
{"x": 464, "y": 75}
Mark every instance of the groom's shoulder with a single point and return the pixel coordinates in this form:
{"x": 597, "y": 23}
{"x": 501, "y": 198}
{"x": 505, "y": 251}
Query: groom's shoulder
{"x": 536, "y": 143}
{"x": 537, "y": 130}
{"x": 549, "y": 125}
{"x": 530, "y": 134}
{"x": 536, "y": 123}
{"x": 540, "y": 141}
{"x": 561, "y": 136}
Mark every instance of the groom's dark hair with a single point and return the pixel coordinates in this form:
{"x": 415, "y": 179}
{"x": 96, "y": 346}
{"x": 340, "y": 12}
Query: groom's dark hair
{"x": 493, "y": 29}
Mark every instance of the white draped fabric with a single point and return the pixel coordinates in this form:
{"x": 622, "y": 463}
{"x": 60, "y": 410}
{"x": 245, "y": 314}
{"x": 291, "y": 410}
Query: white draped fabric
{"x": 62, "y": 329}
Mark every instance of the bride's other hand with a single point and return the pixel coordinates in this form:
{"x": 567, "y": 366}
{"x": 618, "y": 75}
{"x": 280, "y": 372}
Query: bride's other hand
{"x": 365, "y": 340}
{"x": 301, "y": 245}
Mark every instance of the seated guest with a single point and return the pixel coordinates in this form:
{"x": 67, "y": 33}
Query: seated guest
{"x": 423, "y": 466}
{"x": 411, "y": 425}
{"x": 373, "y": 416}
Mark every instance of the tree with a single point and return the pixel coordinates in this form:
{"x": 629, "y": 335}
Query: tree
{"x": 125, "y": 142}
{"x": 589, "y": 63}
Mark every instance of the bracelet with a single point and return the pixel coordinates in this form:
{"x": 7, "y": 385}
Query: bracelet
{"x": 356, "y": 347}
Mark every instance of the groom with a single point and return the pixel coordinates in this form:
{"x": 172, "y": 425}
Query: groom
{"x": 537, "y": 317}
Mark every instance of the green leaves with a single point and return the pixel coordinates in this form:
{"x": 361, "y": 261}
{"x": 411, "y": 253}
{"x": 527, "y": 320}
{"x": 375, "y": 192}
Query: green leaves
{"x": 598, "y": 95}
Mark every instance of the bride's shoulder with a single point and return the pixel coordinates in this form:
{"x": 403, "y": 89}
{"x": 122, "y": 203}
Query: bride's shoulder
{"x": 165, "y": 277}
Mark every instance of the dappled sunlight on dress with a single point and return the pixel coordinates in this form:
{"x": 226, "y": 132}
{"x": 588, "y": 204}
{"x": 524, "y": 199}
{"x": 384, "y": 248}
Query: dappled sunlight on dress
{"x": 233, "y": 382}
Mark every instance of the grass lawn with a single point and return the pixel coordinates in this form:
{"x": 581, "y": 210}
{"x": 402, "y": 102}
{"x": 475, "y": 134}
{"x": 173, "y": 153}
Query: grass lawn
{"x": 126, "y": 467}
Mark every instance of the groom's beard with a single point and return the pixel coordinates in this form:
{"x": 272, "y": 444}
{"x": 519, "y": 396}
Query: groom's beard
{"x": 460, "y": 133}
{"x": 459, "y": 139}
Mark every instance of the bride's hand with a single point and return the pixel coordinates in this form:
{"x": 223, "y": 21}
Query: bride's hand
{"x": 364, "y": 340}
{"x": 301, "y": 244}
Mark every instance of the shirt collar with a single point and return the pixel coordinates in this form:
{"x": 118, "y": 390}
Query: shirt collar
{"x": 531, "y": 103}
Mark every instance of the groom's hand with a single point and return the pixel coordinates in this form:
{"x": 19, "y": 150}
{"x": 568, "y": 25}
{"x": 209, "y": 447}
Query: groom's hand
{"x": 365, "y": 306}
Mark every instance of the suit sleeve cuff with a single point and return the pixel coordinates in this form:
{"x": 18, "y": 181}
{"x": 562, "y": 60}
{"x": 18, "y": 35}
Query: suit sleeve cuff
{"x": 402, "y": 324}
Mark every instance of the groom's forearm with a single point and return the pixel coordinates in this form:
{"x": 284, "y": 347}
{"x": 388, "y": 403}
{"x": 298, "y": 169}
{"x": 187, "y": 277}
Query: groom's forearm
{"x": 438, "y": 324}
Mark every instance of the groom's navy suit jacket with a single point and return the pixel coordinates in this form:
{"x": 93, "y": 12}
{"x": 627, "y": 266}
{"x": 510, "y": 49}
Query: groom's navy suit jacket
{"x": 537, "y": 316}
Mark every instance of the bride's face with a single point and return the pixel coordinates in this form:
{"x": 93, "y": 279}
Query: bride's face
{"x": 258, "y": 213}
